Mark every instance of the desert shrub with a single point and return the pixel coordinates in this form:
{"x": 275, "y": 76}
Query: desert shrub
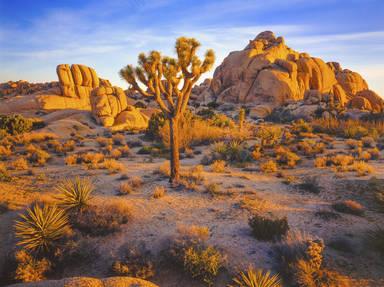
{"x": 310, "y": 147}
{"x": 74, "y": 193}
{"x": 203, "y": 262}
{"x": 233, "y": 151}
{"x": 206, "y": 113}
{"x": 349, "y": 206}
{"x": 159, "y": 192}
{"x": 15, "y": 124}
{"x": 269, "y": 135}
{"x": 101, "y": 220}
{"x": 305, "y": 274}
{"x": 256, "y": 153}
{"x": 362, "y": 168}
{"x": 342, "y": 161}
{"x": 36, "y": 155}
{"x": 368, "y": 141}
{"x": 310, "y": 184}
{"x": 349, "y": 128}
{"x": 266, "y": 229}
{"x": 30, "y": 269}
{"x": 321, "y": 161}
{"x": 91, "y": 158}
{"x": 136, "y": 261}
{"x": 353, "y": 144}
{"x": 189, "y": 249}
{"x": 218, "y": 166}
{"x": 118, "y": 139}
{"x": 136, "y": 181}
{"x": 71, "y": 159}
{"x": 115, "y": 154}
{"x": 4, "y": 174}
{"x": 301, "y": 126}
{"x": 41, "y": 227}
{"x": 125, "y": 151}
{"x": 113, "y": 166}
{"x": 222, "y": 121}
{"x": 374, "y": 152}
{"x": 104, "y": 142}
{"x": 269, "y": 166}
{"x": 213, "y": 188}
{"x": 156, "y": 122}
{"x": 20, "y": 164}
{"x": 286, "y": 157}
{"x": 125, "y": 188}
{"x": 256, "y": 278}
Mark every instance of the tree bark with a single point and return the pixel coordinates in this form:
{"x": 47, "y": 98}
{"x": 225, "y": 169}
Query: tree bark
{"x": 175, "y": 158}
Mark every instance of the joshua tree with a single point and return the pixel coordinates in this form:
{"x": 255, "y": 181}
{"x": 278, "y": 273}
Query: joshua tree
{"x": 169, "y": 81}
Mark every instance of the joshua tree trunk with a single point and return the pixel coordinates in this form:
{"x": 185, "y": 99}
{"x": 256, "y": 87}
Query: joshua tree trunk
{"x": 174, "y": 140}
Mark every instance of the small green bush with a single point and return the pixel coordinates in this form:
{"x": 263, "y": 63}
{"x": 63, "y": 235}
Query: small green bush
{"x": 266, "y": 229}
{"x": 15, "y": 124}
{"x": 156, "y": 122}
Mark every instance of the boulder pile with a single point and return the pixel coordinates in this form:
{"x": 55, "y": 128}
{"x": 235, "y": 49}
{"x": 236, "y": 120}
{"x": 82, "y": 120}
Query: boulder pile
{"x": 268, "y": 74}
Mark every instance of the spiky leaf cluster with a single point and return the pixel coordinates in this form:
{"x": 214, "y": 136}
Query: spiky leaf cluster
{"x": 40, "y": 227}
{"x": 74, "y": 193}
{"x": 256, "y": 278}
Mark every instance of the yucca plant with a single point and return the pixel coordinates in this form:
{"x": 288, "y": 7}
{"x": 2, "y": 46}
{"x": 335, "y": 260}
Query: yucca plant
{"x": 74, "y": 193}
{"x": 40, "y": 227}
{"x": 256, "y": 278}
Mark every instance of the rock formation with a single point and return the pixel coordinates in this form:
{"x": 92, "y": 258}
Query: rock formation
{"x": 88, "y": 281}
{"x": 269, "y": 73}
{"x": 110, "y": 108}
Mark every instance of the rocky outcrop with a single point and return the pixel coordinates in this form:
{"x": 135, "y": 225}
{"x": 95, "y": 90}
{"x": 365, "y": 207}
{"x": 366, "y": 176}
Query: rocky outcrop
{"x": 110, "y": 108}
{"x": 11, "y": 88}
{"x": 90, "y": 282}
{"x": 269, "y": 73}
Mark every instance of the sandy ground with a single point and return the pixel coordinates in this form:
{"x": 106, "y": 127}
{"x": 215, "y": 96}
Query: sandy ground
{"x": 155, "y": 220}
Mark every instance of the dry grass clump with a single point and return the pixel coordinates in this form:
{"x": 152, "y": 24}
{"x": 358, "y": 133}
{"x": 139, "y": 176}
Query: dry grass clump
{"x": 218, "y": 166}
{"x": 35, "y": 137}
{"x": 71, "y": 159}
{"x": 321, "y": 161}
{"x": 136, "y": 181}
{"x": 136, "y": 261}
{"x": 286, "y": 157}
{"x": 113, "y": 166}
{"x": 349, "y": 206}
{"x": 115, "y": 153}
{"x": 269, "y": 166}
{"x": 125, "y": 151}
{"x": 159, "y": 192}
{"x": 256, "y": 278}
{"x": 101, "y": 219}
{"x": 125, "y": 188}
{"x": 213, "y": 188}
{"x": 36, "y": 155}
{"x": 300, "y": 126}
{"x": 165, "y": 169}
{"x": 257, "y": 153}
{"x": 5, "y": 151}
{"x": 266, "y": 229}
{"x": 254, "y": 204}
{"x": 19, "y": 164}
{"x": 4, "y": 174}
{"x": 30, "y": 269}
{"x": 190, "y": 250}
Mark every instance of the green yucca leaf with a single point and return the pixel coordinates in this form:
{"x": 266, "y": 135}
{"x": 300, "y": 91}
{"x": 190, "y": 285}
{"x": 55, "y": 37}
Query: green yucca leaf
{"x": 74, "y": 193}
{"x": 256, "y": 278}
{"x": 40, "y": 227}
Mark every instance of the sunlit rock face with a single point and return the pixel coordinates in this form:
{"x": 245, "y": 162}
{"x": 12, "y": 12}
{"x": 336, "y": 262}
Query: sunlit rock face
{"x": 268, "y": 72}
{"x": 110, "y": 108}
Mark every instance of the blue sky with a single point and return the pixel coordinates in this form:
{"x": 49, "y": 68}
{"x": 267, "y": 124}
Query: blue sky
{"x": 36, "y": 35}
